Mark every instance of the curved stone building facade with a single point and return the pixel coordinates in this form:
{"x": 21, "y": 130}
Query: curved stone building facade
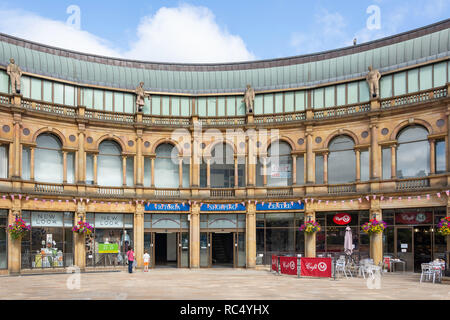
{"x": 196, "y": 179}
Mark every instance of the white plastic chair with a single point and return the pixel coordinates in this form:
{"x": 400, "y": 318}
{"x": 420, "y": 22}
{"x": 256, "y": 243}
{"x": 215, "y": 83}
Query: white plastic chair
{"x": 427, "y": 272}
{"x": 340, "y": 267}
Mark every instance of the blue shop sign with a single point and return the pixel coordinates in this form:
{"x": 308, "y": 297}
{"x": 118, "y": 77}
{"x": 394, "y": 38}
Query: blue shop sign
{"x": 280, "y": 206}
{"x": 222, "y": 207}
{"x": 167, "y": 207}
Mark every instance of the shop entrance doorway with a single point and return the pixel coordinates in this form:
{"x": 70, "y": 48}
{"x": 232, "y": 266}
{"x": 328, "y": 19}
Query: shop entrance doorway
{"x": 167, "y": 248}
{"x": 414, "y": 246}
{"x": 222, "y": 249}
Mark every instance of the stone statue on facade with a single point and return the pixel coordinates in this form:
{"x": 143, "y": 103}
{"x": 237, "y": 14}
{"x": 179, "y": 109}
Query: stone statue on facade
{"x": 249, "y": 98}
{"x": 373, "y": 79}
{"x": 140, "y": 96}
{"x": 14, "y": 72}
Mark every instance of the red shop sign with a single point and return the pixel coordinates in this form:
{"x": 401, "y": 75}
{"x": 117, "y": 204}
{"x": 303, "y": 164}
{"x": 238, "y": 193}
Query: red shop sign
{"x": 288, "y": 265}
{"x": 315, "y": 267}
{"x": 342, "y": 218}
{"x": 274, "y": 263}
{"x": 413, "y": 218}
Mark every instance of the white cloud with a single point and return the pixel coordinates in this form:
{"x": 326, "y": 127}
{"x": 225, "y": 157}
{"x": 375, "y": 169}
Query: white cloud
{"x": 182, "y": 34}
{"x": 186, "y": 34}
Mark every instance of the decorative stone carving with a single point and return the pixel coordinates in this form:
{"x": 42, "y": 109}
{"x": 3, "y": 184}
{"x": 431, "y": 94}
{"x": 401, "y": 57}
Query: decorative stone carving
{"x": 14, "y": 72}
{"x": 140, "y": 96}
{"x": 249, "y": 98}
{"x": 373, "y": 79}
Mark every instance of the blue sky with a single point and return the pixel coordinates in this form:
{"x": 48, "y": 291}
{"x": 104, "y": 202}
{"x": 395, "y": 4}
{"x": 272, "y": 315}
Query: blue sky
{"x": 213, "y": 31}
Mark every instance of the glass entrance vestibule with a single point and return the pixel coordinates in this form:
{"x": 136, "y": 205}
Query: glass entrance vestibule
{"x": 222, "y": 240}
{"x": 166, "y": 239}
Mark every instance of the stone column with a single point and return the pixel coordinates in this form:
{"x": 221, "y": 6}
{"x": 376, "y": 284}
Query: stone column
{"x": 251, "y": 159}
{"x": 64, "y": 166}
{"x": 17, "y": 149}
{"x": 236, "y": 178}
{"x": 251, "y": 236}
{"x": 374, "y": 159}
{"x": 310, "y": 174}
{"x": 32, "y": 163}
{"x": 81, "y": 157}
{"x": 265, "y": 171}
{"x": 432, "y": 156}
{"x": 325, "y": 168}
{"x": 294, "y": 169}
{"x": 310, "y": 239}
{"x": 208, "y": 173}
{"x": 376, "y": 240}
{"x": 14, "y": 245}
{"x": 194, "y": 232}
{"x": 124, "y": 171}
{"x": 139, "y": 162}
{"x": 95, "y": 168}
{"x": 393, "y": 161}
{"x": 153, "y": 172}
{"x": 80, "y": 239}
{"x": 139, "y": 234}
{"x": 358, "y": 164}
{"x": 180, "y": 172}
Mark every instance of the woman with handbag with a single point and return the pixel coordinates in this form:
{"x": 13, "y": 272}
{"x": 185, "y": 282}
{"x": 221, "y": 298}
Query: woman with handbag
{"x": 130, "y": 255}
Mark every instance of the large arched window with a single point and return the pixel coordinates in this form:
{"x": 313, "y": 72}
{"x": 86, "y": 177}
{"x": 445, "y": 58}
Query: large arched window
{"x": 222, "y": 166}
{"x": 166, "y": 166}
{"x": 413, "y": 152}
{"x": 341, "y": 160}
{"x": 279, "y": 166}
{"x": 48, "y": 159}
{"x": 110, "y": 170}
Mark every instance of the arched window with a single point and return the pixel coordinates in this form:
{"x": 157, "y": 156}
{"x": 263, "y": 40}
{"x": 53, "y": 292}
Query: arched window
{"x": 222, "y": 166}
{"x": 413, "y": 152}
{"x": 341, "y": 160}
{"x": 110, "y": 171}
{"x": 279, "y": 166}
{"x": 166, "y": 166}
{"x": 48, "y": 159}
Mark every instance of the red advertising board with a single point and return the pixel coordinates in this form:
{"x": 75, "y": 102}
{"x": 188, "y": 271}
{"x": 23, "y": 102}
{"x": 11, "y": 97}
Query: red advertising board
{"x": 413, "y": 217}
{"x": 274, "y": 263}
{"x": 315, "y": 267}
{"x": 288, "y": 265}
{"x": 342, "y": 218}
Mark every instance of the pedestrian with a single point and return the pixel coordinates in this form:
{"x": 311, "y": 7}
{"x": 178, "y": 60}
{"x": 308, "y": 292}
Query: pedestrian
{"x": 146, "y": 260}
{"x": 130, "y": 255}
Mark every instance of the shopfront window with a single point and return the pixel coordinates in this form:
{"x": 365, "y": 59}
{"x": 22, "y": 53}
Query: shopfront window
{"x": 277, "y": 233}
{"x": 50, "y": 242}
{"x": 342, "y": 160}
{"x": 413, "y": 153}
{"x": 331, "y": 238}
{"x": 166, "y": 166}
{"x": 48, "y": 159}
{"x": 3, "y": 239}
{"x": 108, "y": 244}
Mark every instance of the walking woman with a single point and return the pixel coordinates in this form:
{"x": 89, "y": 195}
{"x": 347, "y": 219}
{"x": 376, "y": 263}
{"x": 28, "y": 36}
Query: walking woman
{"x": 130, "y": 255}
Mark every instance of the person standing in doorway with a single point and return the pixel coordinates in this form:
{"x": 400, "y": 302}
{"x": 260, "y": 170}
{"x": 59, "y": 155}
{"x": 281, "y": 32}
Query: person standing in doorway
{"x": 146, "y": 260}
{"x": 130, "y": 255}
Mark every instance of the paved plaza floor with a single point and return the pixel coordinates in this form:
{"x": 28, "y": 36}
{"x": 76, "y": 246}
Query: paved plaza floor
{"x": 213, "y": 284}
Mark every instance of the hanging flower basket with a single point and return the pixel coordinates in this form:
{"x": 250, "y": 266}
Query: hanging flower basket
{"x": 443, "y": 227}
{"x": 83, "y": 228}
{"x": 374, "y": 226}
{"x": 310, "y": 227}
{"x": 18, "y": 229}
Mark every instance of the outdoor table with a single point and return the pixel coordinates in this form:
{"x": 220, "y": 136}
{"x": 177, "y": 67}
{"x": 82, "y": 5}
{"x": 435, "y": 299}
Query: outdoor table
{"x": 394, "y": 262}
